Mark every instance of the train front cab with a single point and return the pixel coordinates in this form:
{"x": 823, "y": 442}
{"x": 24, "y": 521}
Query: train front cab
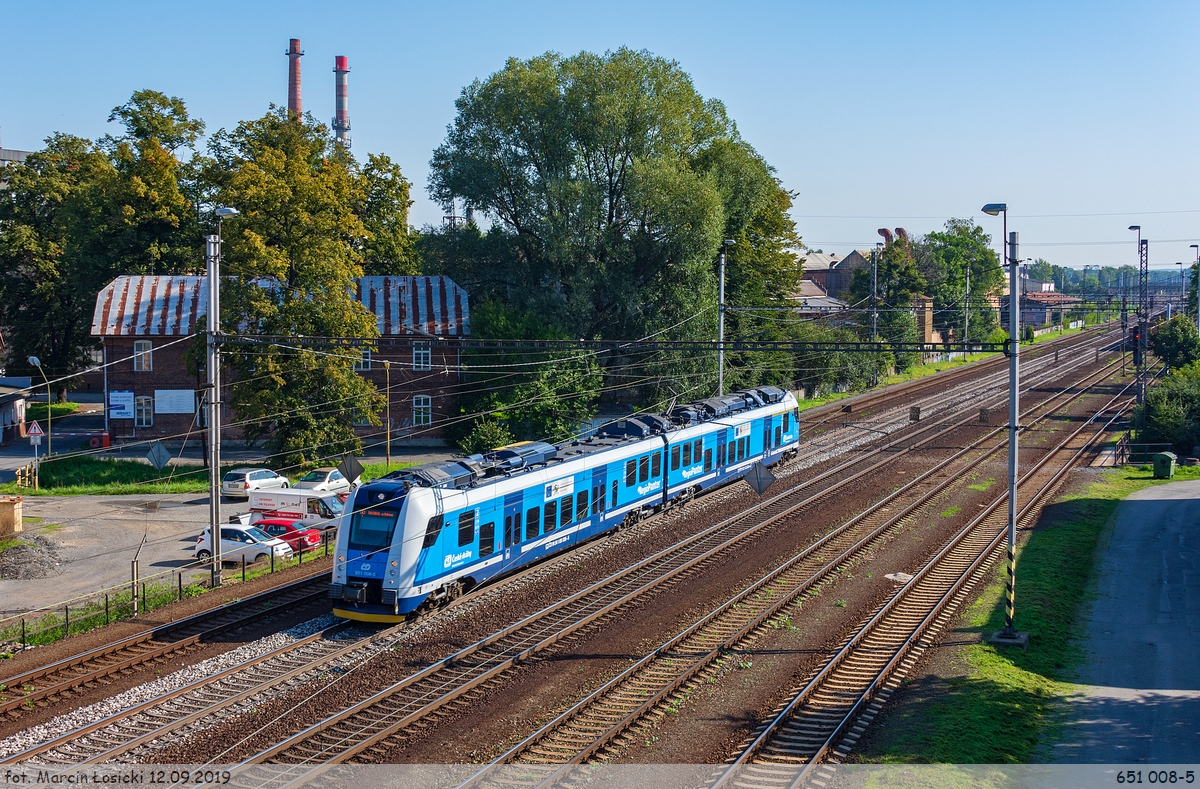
{"x": 366, "y": 568}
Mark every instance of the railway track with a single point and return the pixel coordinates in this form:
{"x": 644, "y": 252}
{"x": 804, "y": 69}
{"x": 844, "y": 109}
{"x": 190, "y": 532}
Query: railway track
{"x": 583, "y": 733}
{"x": 63, "y": 679}
{"x": 826, "y": 717}
{"x": 364, "y": 728}
{"x": 237, "y": 686}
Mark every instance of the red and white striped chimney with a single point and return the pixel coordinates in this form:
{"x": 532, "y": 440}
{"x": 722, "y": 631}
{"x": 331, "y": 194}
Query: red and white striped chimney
{"x": 294, "y": 54}
{"x": 341, "y": 117}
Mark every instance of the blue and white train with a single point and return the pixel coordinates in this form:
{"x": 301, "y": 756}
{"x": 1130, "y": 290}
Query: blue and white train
{"x": 424, "y": 535}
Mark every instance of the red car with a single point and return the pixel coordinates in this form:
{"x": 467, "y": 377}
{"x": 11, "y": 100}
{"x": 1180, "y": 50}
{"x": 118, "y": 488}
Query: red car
{"x": 292, "y": 532}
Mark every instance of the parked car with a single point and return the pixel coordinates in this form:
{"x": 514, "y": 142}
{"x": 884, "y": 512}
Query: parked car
{"x": 241, "y": 481}
{"x": 326, "y": 479}
{"x": 294, "y": 533}
{"x": 238, "y": 541}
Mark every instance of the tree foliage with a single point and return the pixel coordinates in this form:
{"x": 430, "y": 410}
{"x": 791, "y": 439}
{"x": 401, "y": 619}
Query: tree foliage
{"x": 897, "y": 280}
{"x": 1171, "y": 413}
{"x": 1176, "y": 342}
{"x": 78, "y": 213}
{"x": 292, "y": 255}
{"x": 943, "y": 259}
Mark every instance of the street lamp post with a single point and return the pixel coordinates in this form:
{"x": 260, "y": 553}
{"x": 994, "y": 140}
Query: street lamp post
{"x": 36, "y": 362}
{"x": 725, "y": 245}
{"x": 213, "y": 362}
{"x": 1009, "y": 636}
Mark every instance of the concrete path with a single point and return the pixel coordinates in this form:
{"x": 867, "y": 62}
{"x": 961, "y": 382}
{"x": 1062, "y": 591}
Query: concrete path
{"x": 1140, "y": 702}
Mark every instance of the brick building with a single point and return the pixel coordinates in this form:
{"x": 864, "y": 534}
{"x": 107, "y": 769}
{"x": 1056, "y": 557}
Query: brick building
{"x": 147, "y": 325}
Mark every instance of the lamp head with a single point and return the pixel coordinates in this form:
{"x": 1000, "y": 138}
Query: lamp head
{"x": 225, "y": 211}
{"x": 1135, "y": 227}
{"x": 1194, "y": 246}
{"x": 36, "y": 362}
{"x": 992, "y": 209}
{"x": 729, "y": 242}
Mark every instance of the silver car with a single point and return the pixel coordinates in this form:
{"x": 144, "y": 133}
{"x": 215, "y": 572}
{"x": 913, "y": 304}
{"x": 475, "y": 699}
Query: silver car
{"x": 241, "y": 481}
{"x": 327, "y": 480}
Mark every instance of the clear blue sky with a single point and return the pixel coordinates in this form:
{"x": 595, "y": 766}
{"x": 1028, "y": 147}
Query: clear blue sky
{"x": 875, "y": 114}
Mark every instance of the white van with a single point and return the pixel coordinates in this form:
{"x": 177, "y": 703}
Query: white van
{"x": 315, "y": 509}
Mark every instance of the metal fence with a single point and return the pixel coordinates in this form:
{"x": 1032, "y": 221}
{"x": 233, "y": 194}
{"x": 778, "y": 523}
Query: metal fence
{"x": 1127, "y": 453}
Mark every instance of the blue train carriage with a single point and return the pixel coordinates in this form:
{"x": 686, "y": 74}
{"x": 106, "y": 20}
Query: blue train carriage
{"x": 726, "y": 436}
{"x": 430, "y": 533}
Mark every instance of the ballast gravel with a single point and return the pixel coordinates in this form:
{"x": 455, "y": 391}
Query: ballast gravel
{"x": 186, "y": 675}
{"x": 35, "y": 556}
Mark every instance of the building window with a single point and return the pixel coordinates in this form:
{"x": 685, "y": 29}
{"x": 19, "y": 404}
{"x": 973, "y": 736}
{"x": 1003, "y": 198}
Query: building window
{"x": 364, "y": 363}
{"x": 143, "y": 412}
{"x": 422, "y": 410}
{"x": 422, "y": 356}
{"x": 143, "y": 356}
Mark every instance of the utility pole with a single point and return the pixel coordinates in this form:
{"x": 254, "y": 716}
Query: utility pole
{"x": 967, "y": 308}
{"x": 721, "y": 321}
{"x": 213, "y": 363}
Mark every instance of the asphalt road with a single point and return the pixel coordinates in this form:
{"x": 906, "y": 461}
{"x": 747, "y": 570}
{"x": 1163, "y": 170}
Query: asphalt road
{"x": 1140, "y": 701}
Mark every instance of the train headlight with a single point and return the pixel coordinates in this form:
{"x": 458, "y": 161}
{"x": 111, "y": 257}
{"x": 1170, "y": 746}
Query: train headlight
{"x": 394, "y": 563}
{"x": 341, "y": 557}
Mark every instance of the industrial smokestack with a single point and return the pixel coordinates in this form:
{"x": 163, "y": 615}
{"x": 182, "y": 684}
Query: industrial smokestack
{"x": 294, "y": 54}
{"x": 341, "y": 117}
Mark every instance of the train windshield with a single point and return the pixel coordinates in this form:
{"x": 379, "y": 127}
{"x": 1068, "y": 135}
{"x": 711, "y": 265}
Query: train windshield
{"x": 371, "y": 529}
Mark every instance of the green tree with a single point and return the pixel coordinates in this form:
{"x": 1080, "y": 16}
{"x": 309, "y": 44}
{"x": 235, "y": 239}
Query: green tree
{"x": 1171, "y": 413}
{"x": 944, "y": 258}
{"x": 897, "y": 280}
{"x": 77, "y": 213}
{"x": 52, "y": 255}
{"x": 293, "y": 254}
{"x": 390, "y": 246}
{"x": 1176, "y": 342}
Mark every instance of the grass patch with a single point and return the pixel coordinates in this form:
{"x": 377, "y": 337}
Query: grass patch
{"x": 950, "y": 512}
{"x": 37, "y": 411}
{"x": 10, "y": 542}
{"x": 817, "y": 402}
{"x": 1008, "y": 704}
{"x": 74, "y": 476}
{"x": 375, "y": 470}
{"x": 982, "y": 487}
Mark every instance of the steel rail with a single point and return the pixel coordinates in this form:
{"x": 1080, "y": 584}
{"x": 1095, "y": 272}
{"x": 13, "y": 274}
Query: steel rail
{"x": 103, "y": 661}
{"x": 144, "y": 737}
{"x": 622, "y": 701}
{"x": 382, "y": 723}
{"x": 894, "y": 604}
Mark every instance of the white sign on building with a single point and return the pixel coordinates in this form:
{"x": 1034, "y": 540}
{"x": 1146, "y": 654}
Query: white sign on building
{"x": 120, "y": 404}
{"x": 174, "y": 401}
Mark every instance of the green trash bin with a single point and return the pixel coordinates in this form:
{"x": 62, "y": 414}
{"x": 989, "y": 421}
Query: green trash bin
{"x": 1164, "y": 465}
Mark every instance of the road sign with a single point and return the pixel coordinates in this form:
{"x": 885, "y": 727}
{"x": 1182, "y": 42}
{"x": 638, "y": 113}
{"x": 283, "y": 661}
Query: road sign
{"x": 760, "y": 478}
{"x": 350, "y": 467}
{"x": 35, "y": 440}
{"x": 158, "y": 456}
{"x": 35, "y": 429}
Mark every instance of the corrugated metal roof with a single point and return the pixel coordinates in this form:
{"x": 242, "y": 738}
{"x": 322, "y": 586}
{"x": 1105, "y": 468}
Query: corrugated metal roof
{"x": 145, "y": 305}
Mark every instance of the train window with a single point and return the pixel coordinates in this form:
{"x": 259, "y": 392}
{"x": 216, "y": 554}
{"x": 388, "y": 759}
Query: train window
{"x": 675, "y": 458}
{"x": 687, "y": 454}
{"x": 708, "y": 460}
{"x": 508, "y": 530}
{"x": 550, "y": 522}
{"x": 697, "y": 446}
{"x": 787, "y": 421}
{"x": 597, "y": 499}
{"x": 631, "y": 473}
{"x": 466, "y": 528}
{"x": 531, "y": 522}
{"x": 643, "y": 468}
{"x": 778, "y": 435}
{"x": 614, "y": 495}
{"x": 487, "y": 539}
{"x": 721, "y": 454}
{"x": 655, "y": 465}
{"x": 432, "y": 530}
{"x": 581, "y": 505}
{"x": 564, "y": 512}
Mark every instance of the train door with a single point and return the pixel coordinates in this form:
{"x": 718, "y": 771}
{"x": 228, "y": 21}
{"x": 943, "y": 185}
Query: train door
{"x": 512, "y": 526}
{"x": 766, "y": 437}
{"x": 599, "y": 492}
